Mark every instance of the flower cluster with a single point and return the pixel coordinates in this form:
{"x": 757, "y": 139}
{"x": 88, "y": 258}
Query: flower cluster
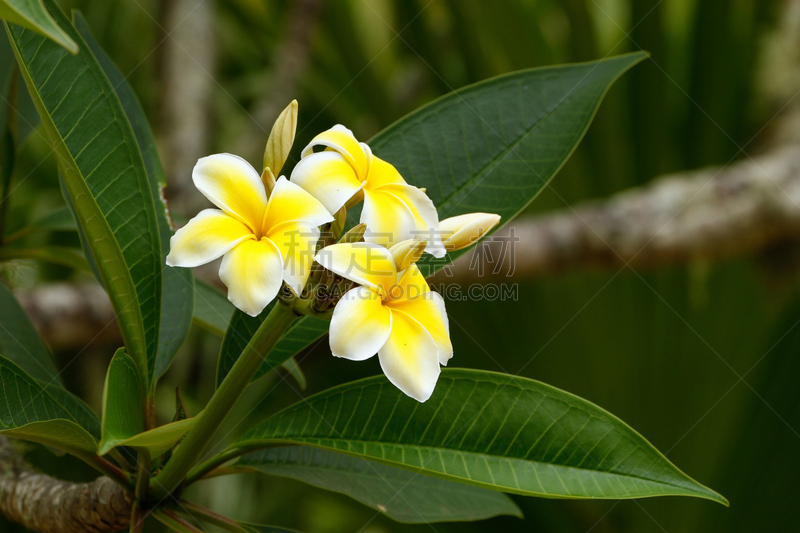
{"x": 268, "y": 232}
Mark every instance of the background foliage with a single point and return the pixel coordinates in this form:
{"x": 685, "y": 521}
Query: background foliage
{"x": 701, "y": 359}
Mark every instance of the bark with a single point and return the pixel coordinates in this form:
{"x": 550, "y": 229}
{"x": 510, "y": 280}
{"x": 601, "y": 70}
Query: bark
{"x": 48, "y": 505}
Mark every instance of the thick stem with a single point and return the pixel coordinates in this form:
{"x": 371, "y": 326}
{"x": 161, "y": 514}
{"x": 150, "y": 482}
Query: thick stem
{"x": 199, "y": 471}
{"x": 195, "y": 442}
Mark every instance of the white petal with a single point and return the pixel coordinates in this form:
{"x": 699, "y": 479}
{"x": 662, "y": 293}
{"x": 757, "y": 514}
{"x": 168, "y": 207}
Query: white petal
{"x": 206, "y": 237}
{"x": 425, "y": 216}
{"x": 234, "y": 186}
{"x": 328, "y": 177}
{"x": 409, "y": 358}
{"x": 253, "y": 273}
{"x": 343, "y": 141}
{"x": 365, "y": 263}
{"x": 360, "y": 325}
{"x": 428, "y": 309}
{"x": 389, "y": 220}
{"x": 289, "y": 202}
{"x": 297, "y": 243}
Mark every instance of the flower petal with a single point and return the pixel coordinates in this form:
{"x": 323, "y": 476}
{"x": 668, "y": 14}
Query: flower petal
{"x": 410, "y": 357}
{"x": 343, "y": 141}
{"x": 410, "y": 284}
{"x": 389, "y": 220}
{"x": 297, "y": 242}
{"x": 465, "y": 230}
{"x": 253, "y": 272}
{"x": 289, "y": 202}
{"x": 426, "y": 218}
{"x": 205, "y": 237}
{"x": 234, "y": 186}
{"x": 383, "y": 173}
{"x": 327, "y": 177}
{"x": 428, "y": 309}
{"x": 360, "y": 325}
{"x": 368, "y": 264}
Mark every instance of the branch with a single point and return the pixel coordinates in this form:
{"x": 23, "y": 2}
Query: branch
{"x": 710, "y": 214}
{"x": 48, "y": 505}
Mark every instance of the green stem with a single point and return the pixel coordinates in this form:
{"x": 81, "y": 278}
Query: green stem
{"x": 205, "y": 467}
{"x": 231, "y": 388}
{"x": 174, "y": 522}
{"x": 143, "y": 475}
{"x": 210, "y": 517}
{"x": 107, "y": 468}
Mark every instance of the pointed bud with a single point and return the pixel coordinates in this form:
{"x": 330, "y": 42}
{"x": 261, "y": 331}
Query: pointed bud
{"x": 268, "y": 179}
{"x": 339, "y": 220}
{"x": 281, "y": 138}
{"x": 464, "y": 230}
{"x": 407, "y": 252}
{"x": 355, "y": 234}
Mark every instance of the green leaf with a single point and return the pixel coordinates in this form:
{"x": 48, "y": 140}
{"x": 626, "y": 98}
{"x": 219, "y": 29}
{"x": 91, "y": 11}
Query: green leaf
{"x": 486, "y": 429}
{"x": 123, "y": 401}
{"x": 401, "y": 495}
{"x": 157, "y": 441}
{"x": 242, "y": 327}
{"x": 60, "y": 219}
{"x": 104, "y": 176}
{"x": 32, "y": 14}
{"x": 212, "y": 310}
{"x": 292, "y": 367}
{"x": 491, "y": 147}
{"x": 20, "y": 342}
{"x": 46, "y": 414}
{"x": 177, "y": 292}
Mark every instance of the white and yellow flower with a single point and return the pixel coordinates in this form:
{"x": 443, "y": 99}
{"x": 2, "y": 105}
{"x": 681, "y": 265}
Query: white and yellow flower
{"x": 264, "y": 241}
{"x": 393, "y": 210}
{"x": 391, "y": 313}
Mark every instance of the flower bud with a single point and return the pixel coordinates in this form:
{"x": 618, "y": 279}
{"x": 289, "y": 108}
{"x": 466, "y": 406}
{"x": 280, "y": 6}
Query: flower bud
{"x": 339, "y": 221}
{"x": 464, "y": 230}
{"x": 407, "y": 252}
{"x": 281, "y": 138}
{"x": 355, "y": 234}
{"x": 268, "y": 178}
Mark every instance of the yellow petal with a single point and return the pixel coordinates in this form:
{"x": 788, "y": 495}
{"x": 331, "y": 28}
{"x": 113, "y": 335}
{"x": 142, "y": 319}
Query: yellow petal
{"x": 360, "y": 325}
{"x": 465, "y": 230}
{"x": 206, "y": 237}
{"x": 407, "y": 253}
{"x": 297, "y": 242}
{"x": 289, "y": 203}
{"x": 388, "y": 219}
{"x": 341, "y": 140}
{"x": 253, "y": 272}
{"x": 327, "y": 177}
{"x": 383, "y": 173}
{"x": 426, "y": 219}
{"x": 428, "y": 309}
{"x": 234, "y": 186}
{"x": 411, "y": 284}
{"x": 410, "y": 357}
{"x": 364, "y": 263}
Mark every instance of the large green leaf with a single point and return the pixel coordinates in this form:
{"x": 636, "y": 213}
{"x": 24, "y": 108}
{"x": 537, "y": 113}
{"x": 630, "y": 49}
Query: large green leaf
{"x": 123, "y": 402}
{"x": 242, "y": 327}
{"x": 177, "y": 283}
{"x": 159, "y": 440}
{"x": 20, "y": 342}
{"x": 401, "y": 495}
{"x": 486, "y": 429}
{"x": 489, "y": 147}
{"x": 46, "y": 414}
{"x": 104, "y": 175}
{"x": 32, "y": 14}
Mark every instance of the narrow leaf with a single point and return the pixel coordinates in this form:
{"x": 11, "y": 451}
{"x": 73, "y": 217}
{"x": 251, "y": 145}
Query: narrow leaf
{"x": 32, "y": 14}
{"x": 177, "y": 283}
{"x": 21, "y": 344}
{"x": 104, "y": 176}
{"x": 157, "y": 441}
{"x": 123, "y": 401}
{"x": 57, "y": 255}
{"x": 64, "y": 435}
{"x": 401, "y": 495}
{"x": 486, "y": 429}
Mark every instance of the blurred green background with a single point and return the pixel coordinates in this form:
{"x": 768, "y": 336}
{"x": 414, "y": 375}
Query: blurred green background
{"x": 665, "y": 350}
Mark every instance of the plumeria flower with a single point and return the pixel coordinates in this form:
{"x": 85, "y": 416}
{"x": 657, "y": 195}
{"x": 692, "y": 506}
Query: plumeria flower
{"x": 263, "y": 241}
{"x": 393, "y": 210}
{"x": 392, "y": 313}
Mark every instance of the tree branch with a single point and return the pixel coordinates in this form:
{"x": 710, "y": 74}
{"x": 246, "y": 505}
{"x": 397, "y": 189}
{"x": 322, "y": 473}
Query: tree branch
{"x": 48, "y": 505}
